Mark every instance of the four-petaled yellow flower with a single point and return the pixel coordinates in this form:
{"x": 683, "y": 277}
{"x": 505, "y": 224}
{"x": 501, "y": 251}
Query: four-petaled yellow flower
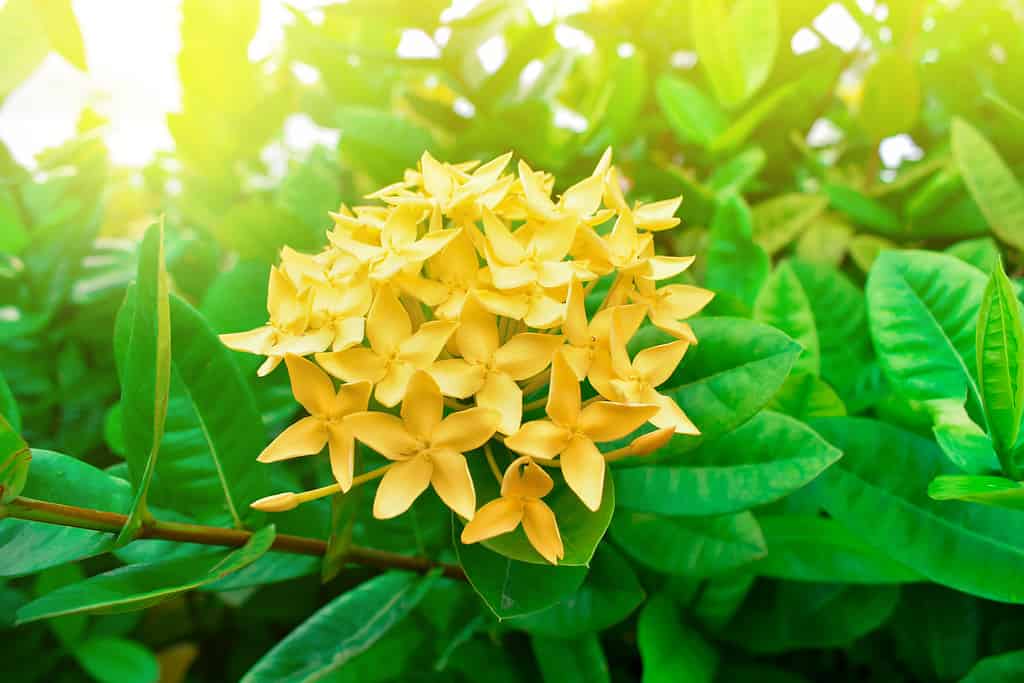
{"x": 325, "y": 425}
{"x": 618, "y": 378}
{"x": 488, "y": 369}
{"x": 522, "y": 488}
{"x": 395, "y": 351}
{"x": 426, "y": 449}
{"x": 572, "y": 430}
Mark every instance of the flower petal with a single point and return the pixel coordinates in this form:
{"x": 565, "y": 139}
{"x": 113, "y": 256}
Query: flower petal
{"x": 669, "y": 413}
{"x": 387, "y": 324}
{"x": 358, "y": 364}
{"x": 305, "y": 437}
{"x": 258, "y": 341}
{"x": 505, "y": 246}
{"x": 452, "y": 481}
{"x": 348, "y": 332}
{"x": 526, "y": 354}
{"x": 657, "y": 363}
{"x": 683, "y": 301}
{"x": 508, "y": 304}
{"x": 540, "y": 439}
{"x": 384, "y": 433}
{"x": 526, "y": 479}
{"x": 498, "y": 517}
{"x": 351, "y": 398}
{"x": 458, "y": 378}
{"x": 542, "y": 530}
{"x": 563, "y": 405}
{"x": 422, "y": 406}
{"x": 390, "y": 390}
{"x": 579, "y": 359}
{"x": 606, "y": 421}
{"x": 465, "y": 430}
{"x": 575, "y": 327}
{"x": 544, "y": 312}
{"x": 583, "y": 467}
{"x": 342, "y": 452}
{"x": 311, "y": 386}
{"x": 501, "y": 394}
{"x": 584, "y": 197}
{"x": 664, "y": 267}
{"x": 401, "y": 486}
{"x": 477, "y": 335}
{"x": 422, "y": 348}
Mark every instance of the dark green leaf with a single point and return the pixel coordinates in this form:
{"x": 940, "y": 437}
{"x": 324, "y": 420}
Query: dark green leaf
{"x": 566, "y": 661}
{"x": 116, "y": 660}
{"x": 670, "y": 650}
{"x": 1004, "y": 668}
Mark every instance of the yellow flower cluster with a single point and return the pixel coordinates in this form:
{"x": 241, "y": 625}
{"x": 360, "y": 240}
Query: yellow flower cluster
{"x": 466, "y": 288}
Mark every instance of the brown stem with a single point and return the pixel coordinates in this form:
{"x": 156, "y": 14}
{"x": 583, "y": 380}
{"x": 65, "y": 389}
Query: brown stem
{"x": 111, "y": 522}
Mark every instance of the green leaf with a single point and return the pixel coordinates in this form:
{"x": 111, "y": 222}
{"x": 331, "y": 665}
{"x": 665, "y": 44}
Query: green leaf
{"x": 923, "y": 311}
{"x": 28, "y": 547}
{"x": 62, "y": 30}
{"x": 380, "y": 143}
{"x": 736, "y": 265}
{"x": 826, "y": 241}
{"x": 670, "y": 650}
{"x": 720, "y": 597}
{"x": 942, "y": 648}
{"x": 804, "y": 396}
{"x": 146, "y": 375}
{"x": 878, "y": 490}
{"x": 862, "y": 210}
{"x": 693, "y": 117}
{"x": 608, "y": 595}
{"x": 257, "y": 230}
{"x": 562, "y": 660}
{"x": 995, "y": 491}
{"x": 806, "y": 548}
{"x": 783, "y": 304}
{"x": 691, "y": 546}
{"x": 780, "y": 220}
{"x": 1003, "y": 668}
{"x": 991, "y": 183}
{"x": 14, "y": 235}
{"x": 139, "y": 586}
{"x": 782, "y": 616}
{"x": 344, "y": 510}
{"x": 736, "y": 47}
{"x": 70, "y": 630}
{"x": 15, "y": 459}
{"x": 881, "y": 114}
{"x": 982, "y": 253}
{"x": 965, "y": 443}
{"x": 767, "y": 458}
{"x": 747, "y": 122}
{"x": 1000, "y": 343}
{"x": 581, "y": 528}
{"x": 512, "y": 588}
{"x": 116, "y": 660}
{"x": 864, "y": 249}
{"x": 344, "y": 628}
{"x": 737, "y": 173}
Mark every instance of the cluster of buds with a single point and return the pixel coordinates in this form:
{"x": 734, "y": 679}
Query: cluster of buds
{"x": 465, "y": 291}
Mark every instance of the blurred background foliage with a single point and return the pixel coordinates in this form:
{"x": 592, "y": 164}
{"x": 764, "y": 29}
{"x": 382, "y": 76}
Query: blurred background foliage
{"x": 826, "y": 124}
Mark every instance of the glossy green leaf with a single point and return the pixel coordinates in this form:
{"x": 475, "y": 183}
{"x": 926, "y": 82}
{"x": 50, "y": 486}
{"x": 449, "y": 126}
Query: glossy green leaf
{"x": 15, "y": 460}
{"x": 344, "y": 628}
{"x": 783, "y": 616}
{"x": 140, "y": 585}
{"x": 693, "y": 117}
{"x": 28, "y": 547}
{"x": 995, "y": 491}
{"x": 609, "y": 594}
{"x": 923, "y": 312}
{"x": 804, "y": 396}
{"x": 864, "y": 249}
{"x": 381, "y": 143}
{"x": 982, "y": 253}
{"x": 736, "y": 45}
{"x": 511, "y": 588}
{"x": 736, "y": 265}
{"x": 863, "y": 210}
{"x": 806, "y": 548}
{"x": 671, "y": 650}
{"x": 744, "y": 125}
{"x": 783, "y": 304}
{"x": 694, "y": 546}
{"x": 737, "y": 173}
{"x": 878, "y": 490}
{"x": 780, "y": 220}
{"x": 213, "y": 426}
{"x": 562, "y": 660}
{"x": 991, "y": 183}
{"x": 1000, "y": 343}
{"x": 146, "y": 375}
{"x": 964, "y": 442}
{"x": 719, "y": 598}
{"x": 1002, "y": 668}
{"x": 116, "y": 660}
{"x": 767, "y": 458}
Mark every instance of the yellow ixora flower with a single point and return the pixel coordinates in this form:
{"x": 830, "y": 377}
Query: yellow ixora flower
{"x": 287, "y": 331}
{"x": 522, "y": 488}
{"x": 619, "y": 378}
{"x": 488, "y": 369}
{"x": 571, "y": 431}
{"x": 426, "y": 449}
{"x": 395, "y": 351}
{"x": 325, "y": 425}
